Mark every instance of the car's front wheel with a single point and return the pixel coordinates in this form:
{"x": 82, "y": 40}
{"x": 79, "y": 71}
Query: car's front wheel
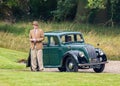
{"x": 71, "y": 65}
{"x": 101, "y": 66}
{"x": 100, "y": 69}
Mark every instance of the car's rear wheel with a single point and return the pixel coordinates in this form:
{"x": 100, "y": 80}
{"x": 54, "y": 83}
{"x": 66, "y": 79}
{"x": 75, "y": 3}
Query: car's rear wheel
{"x": 71, "y": 65}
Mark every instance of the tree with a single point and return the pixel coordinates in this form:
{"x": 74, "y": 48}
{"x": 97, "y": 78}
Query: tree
{"x": 66, "y": 10}
{"x": 6, "y": 8}
{"x": 81, "y": 14}
{"x": 112, "y": 7}
{"x": 96, "y": 4}
{"x": 88, "y": 9}
{"x": 41, "y": 9}
{"x": 11, "y": 9}
{"x": 114, "y": 13}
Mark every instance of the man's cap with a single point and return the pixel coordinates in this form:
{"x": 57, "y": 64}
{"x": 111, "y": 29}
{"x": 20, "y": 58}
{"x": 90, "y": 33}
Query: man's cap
{"x": 35, "y": 23}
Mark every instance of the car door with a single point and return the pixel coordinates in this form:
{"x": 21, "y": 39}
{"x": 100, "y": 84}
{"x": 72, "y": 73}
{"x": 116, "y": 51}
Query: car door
{"x": 46, "y": 60}
{"x": 54, "y": 51}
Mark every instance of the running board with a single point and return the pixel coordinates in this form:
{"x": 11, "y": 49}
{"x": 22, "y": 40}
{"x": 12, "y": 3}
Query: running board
{"x": 92, "y": 64}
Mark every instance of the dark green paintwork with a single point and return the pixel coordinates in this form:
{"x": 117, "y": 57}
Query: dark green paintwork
{"x": 53, "y": 55}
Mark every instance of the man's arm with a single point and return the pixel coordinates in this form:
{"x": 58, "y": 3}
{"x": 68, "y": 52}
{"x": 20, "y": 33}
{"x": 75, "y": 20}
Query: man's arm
{"x": 30, "y": 36}
{"x": 41, "y": 36}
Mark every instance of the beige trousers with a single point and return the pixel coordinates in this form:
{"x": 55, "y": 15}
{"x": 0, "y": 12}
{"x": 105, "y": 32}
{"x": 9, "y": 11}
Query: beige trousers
{"x": 36, "y": 59}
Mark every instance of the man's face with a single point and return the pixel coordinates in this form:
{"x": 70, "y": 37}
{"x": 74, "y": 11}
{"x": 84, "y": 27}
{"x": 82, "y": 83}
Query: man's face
{"x": 35, "y": 26}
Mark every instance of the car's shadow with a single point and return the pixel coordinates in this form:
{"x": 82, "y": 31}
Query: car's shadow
{"x": 56, "y": 70}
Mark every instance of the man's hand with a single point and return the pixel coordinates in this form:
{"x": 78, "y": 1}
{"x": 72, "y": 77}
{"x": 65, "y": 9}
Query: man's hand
{"x": 33, "y": 40}
{"x": 40, "y": 39}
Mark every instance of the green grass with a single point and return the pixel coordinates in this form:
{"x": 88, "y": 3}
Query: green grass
{"x": 15, "y": 36}
{"x": 16, "y": 74}
{"x": 9, "y": 59}
{"x": 26, "y": 78}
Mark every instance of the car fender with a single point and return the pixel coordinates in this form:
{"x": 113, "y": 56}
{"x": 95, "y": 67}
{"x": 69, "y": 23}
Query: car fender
{"x": 71, "y": 53}
{"x": 98, "y": 50}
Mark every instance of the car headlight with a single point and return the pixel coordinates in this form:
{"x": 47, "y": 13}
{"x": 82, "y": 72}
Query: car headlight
{"x": 101, "y": 52}
{"x": 81, "y": 54}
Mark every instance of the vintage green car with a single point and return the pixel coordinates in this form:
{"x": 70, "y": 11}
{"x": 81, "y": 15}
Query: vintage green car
{"x": 67, "y": 51}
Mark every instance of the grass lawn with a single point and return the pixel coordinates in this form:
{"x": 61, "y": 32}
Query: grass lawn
{"x": 15, "y": 74}
{"x": 27, "y": 78}
{"x": 9, "y": 58}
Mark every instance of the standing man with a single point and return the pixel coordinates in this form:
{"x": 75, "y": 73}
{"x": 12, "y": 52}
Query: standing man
{"x": 36, "y": 36}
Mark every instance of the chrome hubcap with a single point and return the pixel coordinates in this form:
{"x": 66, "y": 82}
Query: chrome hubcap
{"x": 70, "y": 65}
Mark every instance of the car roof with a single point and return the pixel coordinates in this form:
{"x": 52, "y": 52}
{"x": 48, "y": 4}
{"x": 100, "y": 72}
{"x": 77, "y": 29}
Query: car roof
{"x": 60, "y": 33}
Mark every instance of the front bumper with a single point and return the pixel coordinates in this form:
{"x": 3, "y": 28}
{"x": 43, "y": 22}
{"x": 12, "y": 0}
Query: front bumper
{"x": 92, "y": 64}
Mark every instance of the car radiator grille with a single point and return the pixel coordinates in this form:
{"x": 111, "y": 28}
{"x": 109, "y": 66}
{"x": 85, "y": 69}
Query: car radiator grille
{"x": 91, "y": 53}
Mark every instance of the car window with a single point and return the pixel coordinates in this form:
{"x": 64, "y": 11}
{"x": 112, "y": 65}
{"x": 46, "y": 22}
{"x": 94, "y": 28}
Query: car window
{"x": 54, "y": 41}
{"x": 62, "y": 39}
{"x": 67, "y": 38}
{"x": 78, "y": 38}
{"x": 45, "y": 42}
{"x": 71, "y": 38}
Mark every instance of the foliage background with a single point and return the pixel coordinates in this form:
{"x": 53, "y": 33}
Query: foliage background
{"x": 60, "y": 10}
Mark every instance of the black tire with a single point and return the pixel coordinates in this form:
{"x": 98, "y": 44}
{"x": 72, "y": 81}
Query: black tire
{"x": 61, "y": 69}
{"x": 99, "y": 70}
{"x": 101, "y": 66}
{"x": 71, "y": 65}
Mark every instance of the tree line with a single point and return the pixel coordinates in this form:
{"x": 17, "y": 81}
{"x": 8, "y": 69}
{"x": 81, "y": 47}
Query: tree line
{"x": 85, "y": 11}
